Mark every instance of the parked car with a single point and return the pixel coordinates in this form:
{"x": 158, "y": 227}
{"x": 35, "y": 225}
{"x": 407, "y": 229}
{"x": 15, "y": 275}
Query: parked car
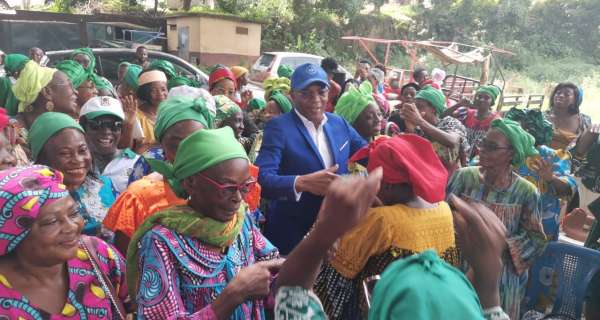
{"x": 108, "y": 60}
{"x": 267, "y": 64}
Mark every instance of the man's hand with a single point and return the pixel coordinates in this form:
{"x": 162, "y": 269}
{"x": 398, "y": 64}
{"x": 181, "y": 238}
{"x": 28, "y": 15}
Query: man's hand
{"x": 347, "y": 201}
{"x": 317, "y": 182}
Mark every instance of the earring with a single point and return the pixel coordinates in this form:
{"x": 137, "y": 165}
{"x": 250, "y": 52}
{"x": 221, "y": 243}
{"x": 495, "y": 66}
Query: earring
{"x": 50, "y": 106}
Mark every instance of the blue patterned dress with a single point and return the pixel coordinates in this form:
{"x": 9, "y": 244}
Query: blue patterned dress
{"x": 181, "y": 276}
{"x": 141, "y": 168}
{"x": 550, "y": 202}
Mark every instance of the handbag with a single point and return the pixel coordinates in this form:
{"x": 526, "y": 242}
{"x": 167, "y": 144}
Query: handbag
{"x": 89, "y": 245}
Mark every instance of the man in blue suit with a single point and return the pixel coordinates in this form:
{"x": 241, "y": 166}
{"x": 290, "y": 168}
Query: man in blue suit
{"x": 302, "y": 152}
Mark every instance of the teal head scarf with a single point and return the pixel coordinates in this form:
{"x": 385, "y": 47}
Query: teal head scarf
{"x": 521, "y": 141}
{"x": 285, "y": 71}
{"x": 435, "y": 98}
{"x": 74, "y": 72}
{"x": 47, "y": 125}
{"x": 533, "y": 121}
{"x": 201, "y": 150}
{"x": 176, "y": 109}
{"x": 257, "y": 104}
{"x": 15, "y": 62}
{"x": 284, "y": 102}
{"x": 132, "y": 75}
{"x": 164, "y": 66}
{"x": 354, "y": 101}
{"x": 424, "y": 287}
{"x": 490, "y": 90}
{"x": 177, "y": 81}
{"x": 87, "y": 52}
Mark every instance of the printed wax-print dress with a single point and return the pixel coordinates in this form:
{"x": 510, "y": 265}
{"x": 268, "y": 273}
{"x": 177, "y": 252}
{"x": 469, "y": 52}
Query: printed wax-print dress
{"x": 518, "y": 207}
{"x": 550, "y": 202}
{"x": 85, "y": 299}
{"x": 95, "y": 196}
{"x": 181, "y": 276}
{"x": 141, "y": 167}
{"x": 476, "y": 130}
{"x": 450, "y": 156}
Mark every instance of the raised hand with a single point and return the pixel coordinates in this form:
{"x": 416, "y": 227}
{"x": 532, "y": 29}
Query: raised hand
{"x": 130, "y": 107}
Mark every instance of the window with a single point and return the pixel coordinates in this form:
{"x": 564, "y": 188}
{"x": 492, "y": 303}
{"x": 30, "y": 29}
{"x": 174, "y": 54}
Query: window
{"x": 266, "y": 60}
{"x": 172, "y": 27}
{"x": 241, "y": 30}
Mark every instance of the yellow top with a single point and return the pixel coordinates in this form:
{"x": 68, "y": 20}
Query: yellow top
{"x": 147, "y": 125}
{"x": 396, "y": 226}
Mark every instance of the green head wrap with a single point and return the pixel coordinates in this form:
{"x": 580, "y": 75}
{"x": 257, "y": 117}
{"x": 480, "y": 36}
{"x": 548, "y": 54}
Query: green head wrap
{"x": 435, "y": 98}
{"x": 533, "y": 121}
{"x": 273, "y": 84}
{"x": 284, "y": 102}
{"x": 285, "y": 71}
{"x": 490, "y": 90}
{"x": 74, "y": 71}
{"x": 164, "y": 66}
{"x": 100, "y": 82}
{"x": 47, "y": 125}
{"x": 182, "y": 81}
{"x": 257, "y": 104}
{"x": 15, "y": 62}
{"x": 225, "y": 108}
{"x": 176, "y": 109}
{"x": 423, "y": 287}
{"x": 200, "y": 151}
{"x": 32, "y": 80}
{"x": 354, "y": 101}
{"x": 521, "y": 141}
{"x": 132, "y": 75}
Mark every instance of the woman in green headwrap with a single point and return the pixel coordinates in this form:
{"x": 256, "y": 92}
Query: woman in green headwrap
{"x": 447, "y": 134}
{"x": 514, "y": 200}
{"x": 58, "y": 141}
{"x": 231, "y": 115}
{"x": 86, "y": 58}
{"x": 213, "y": 249}
{"x": 148, "y": 192}
{"x": 80, "y": 79}
{"x": 358, "y": 107}
{"x": 550, "y": 171}
{"x": 285, "y": 71}
{"x": 13, "y": 64}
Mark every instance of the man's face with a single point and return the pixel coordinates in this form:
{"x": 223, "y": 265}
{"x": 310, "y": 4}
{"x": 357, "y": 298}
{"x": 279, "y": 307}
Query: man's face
{"x": 36, "y": 54}
{"x": 311, "y": 101}
{"x": 141, "y": 54}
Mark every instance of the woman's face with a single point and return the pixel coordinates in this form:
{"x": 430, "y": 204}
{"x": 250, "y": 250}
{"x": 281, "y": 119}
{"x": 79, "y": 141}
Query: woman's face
{"x": 427, "y": 111}
{"x": 7, "y": 159}
{"x": 563, "y": 98}
{"x": 103, "y": 134}
{"x": 175, "y": 134}
{"x": 63, "y": 96}
{"x": 54, "y": 235}
{"x": 368, "y": 122}
{"x": 225, "y": 87}
{"x": 83, "y": 60}
{"x": 495, "y": 151}
{"x": 219, "y": 204}
{"x": 271, "y": 111}
{"x": 85, "y": 92}
{"x": 408, "y": 95}
{"x": 483, "y": 101}
{"x": 235, "y": 122}
{"x": 68, "y": 152}
{"x": 158, "y": 92}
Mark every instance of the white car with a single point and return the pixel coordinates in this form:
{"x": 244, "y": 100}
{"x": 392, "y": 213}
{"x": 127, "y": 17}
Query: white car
{"x": 267, "y": 64}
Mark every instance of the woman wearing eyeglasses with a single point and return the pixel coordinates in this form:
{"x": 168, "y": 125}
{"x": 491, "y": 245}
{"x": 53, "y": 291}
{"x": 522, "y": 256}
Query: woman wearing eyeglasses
{"x": 102, "y": 119}
{"x": 58, "y": 141}
{"x": 204, "y": 259}
{"x": 514, "y": 200}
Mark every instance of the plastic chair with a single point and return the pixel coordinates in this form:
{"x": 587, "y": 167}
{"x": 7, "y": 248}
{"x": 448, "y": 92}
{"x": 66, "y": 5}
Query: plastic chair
{"x": 559, "y": 278}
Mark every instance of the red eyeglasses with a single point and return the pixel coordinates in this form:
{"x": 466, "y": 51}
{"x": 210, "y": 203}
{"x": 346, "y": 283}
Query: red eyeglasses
{"x": 230, "y": 189}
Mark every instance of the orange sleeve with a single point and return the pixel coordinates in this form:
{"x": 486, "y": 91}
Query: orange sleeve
{"x": 253, "y": 197}
{"x": 124, "y": 213}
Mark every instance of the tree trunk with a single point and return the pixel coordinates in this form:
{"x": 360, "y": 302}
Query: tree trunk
{"x": 155, "y": 7}
{"x": 187, "y": 5}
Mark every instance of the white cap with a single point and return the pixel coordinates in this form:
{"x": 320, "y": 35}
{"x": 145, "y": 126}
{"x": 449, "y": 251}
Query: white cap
{"x": 100, "y": 106}
{"x": 191, "y": 92}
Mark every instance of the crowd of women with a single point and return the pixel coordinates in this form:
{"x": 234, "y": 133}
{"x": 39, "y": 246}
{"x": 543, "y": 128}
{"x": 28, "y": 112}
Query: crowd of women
{"x": 142, "y": 198}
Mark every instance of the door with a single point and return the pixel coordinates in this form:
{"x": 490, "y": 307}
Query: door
{"x": 183, "y": 39}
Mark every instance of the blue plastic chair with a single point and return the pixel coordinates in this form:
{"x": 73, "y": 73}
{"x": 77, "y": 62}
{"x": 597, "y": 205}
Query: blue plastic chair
{"x": 560, "y": 277}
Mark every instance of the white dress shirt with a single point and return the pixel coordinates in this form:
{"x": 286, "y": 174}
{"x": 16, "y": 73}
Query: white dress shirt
{"x": 320, "y": 140}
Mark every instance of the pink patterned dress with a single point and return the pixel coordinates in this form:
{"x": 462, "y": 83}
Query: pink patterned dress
{"x": 181, "y": 276}
{"x": 85, "y": 299}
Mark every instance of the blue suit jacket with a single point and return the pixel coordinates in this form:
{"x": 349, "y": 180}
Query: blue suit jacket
{"x": 288, "y": 151}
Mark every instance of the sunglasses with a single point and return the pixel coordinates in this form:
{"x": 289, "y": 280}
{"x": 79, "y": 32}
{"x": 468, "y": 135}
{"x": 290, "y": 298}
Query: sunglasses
{"x": 229, "y": 189}
{"x": 114, "y": 126}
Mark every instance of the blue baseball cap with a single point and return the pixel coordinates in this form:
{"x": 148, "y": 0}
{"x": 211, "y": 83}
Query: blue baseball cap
{"x": 307, "y": 74}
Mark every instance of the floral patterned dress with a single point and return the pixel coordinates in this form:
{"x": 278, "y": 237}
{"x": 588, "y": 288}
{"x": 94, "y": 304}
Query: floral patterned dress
{"x": 181, "y": 276}
{"x": 85, "y": 298}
